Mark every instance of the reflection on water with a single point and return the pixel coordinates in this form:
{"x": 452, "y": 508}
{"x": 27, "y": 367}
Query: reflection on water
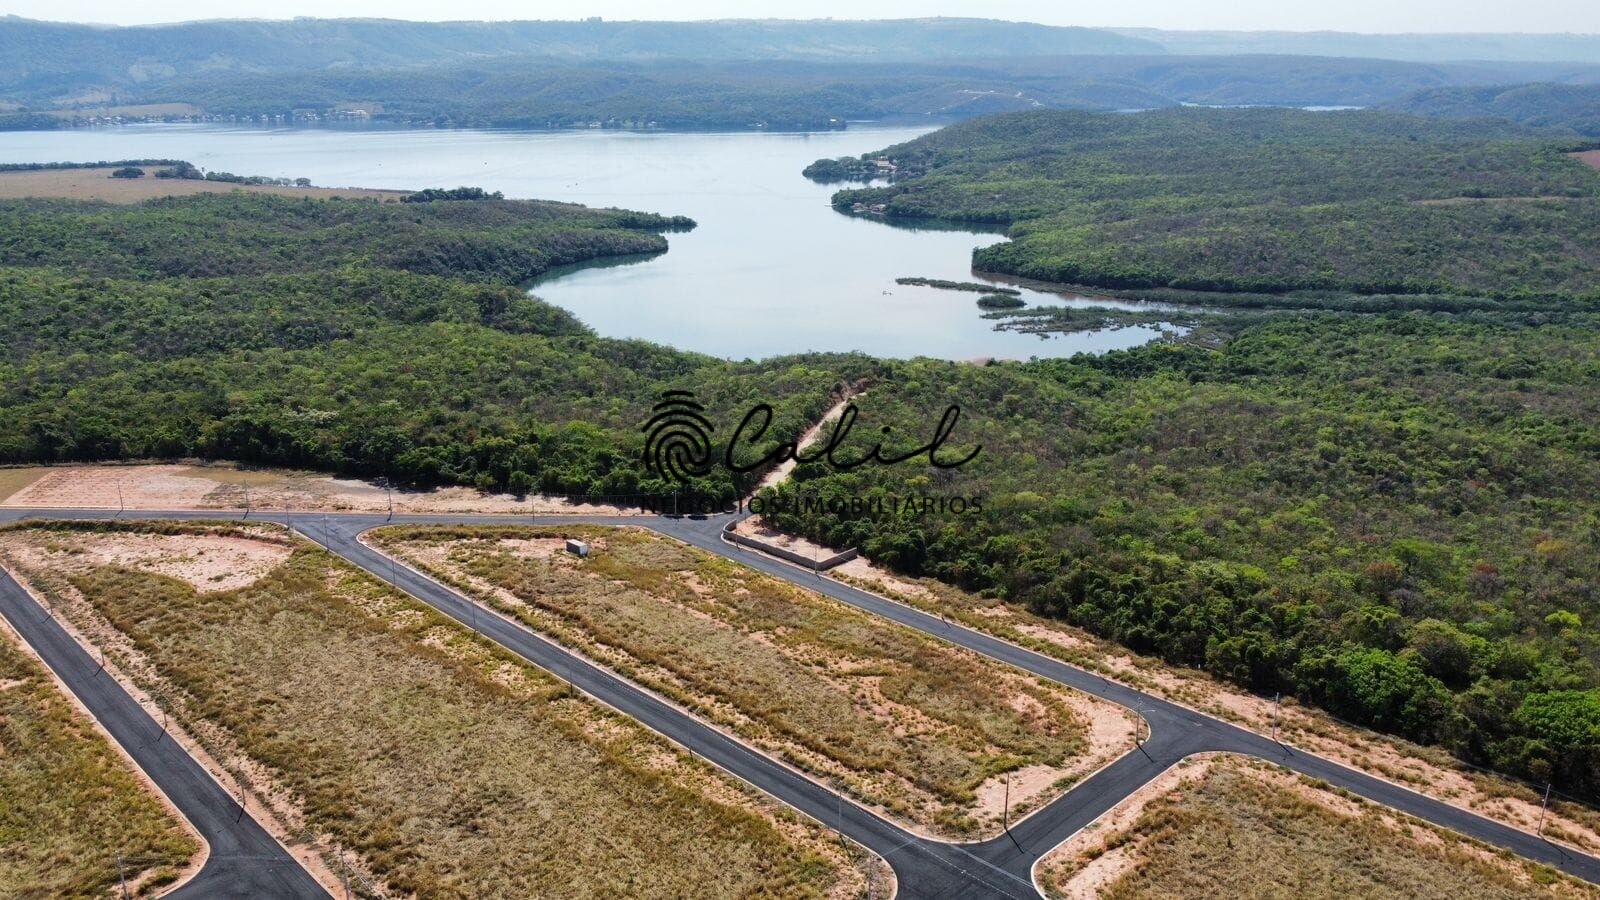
{"x": 772, "y": 269}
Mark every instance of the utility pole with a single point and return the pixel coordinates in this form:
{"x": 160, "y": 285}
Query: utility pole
{"x": 1543, "y": 807}
{"x": 246, "y": 485}
{"x": 121, "y": 506}
{"x": 122, "y": 877}
{"x": 388, "y": 494}
{"x": 1276, "y": 700}
{"x": 1006, "y": 816}
{"x": 344, "y": 874}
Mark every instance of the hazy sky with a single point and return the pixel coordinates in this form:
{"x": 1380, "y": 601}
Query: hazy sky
{"x": 1342, "y": 15}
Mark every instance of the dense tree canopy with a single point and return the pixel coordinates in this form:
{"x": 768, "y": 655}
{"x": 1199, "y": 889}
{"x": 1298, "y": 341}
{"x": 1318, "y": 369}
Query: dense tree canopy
{"x": 1258, "y": 200}
{"x": 1392, "y": 516}
{"x": 348, "y": 336}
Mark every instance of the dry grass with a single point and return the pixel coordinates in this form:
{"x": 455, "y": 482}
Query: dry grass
{"x": 13, "y": 480}
{"x": 905, "y": 722}
{"x": 1242, "y": 830}
{"x": 97, "y": 184}
{"x": 1428, "y": 770}
{"x": 69, "y": 803}
{"x": 449, "y": 767}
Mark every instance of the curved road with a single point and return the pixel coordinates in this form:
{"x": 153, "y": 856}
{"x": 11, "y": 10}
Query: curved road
{"x": 1000, "y": 867}
{"x": 245, "y": 861}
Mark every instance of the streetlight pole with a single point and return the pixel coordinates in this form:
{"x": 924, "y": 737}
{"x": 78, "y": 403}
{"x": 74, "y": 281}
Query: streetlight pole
{"x": 1006, "y": 816}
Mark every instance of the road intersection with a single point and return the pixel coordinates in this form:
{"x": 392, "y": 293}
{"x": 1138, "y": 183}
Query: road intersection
{"x": 924, "y": 867}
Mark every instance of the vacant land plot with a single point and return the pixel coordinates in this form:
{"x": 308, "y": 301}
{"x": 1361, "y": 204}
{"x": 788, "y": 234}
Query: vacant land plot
{"x": 1230, "y": 827}
{"x": 437, "y": 764}
{"x": 928, "y": 732}
{"x": 69, "y": 803}
{"x": 97, "y": 184}
{"x": 1589, "y": 157}
{"x": 1428, "y": 770}
{"x": 225, "y": 487}
{"x": 13, "y": 480}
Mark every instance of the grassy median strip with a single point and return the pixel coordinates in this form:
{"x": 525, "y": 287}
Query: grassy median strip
{"x": 1231, "y": 827}
{"x": 69, "y": 804}
{"x": 448, "y": 766}
{"x": 921, "y": 729}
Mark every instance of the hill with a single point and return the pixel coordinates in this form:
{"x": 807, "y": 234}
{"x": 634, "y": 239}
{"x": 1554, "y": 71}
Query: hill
{"x": 1415, "y": 47}
{"x": 1564, "y": 107}
{"x": 681, "y": 75}
{"x": 33, "y": 53}
{"x": 1263, "y": 200}
{"x": 378, "y": 339}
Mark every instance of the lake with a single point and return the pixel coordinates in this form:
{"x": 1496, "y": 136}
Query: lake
{"x": 771, "y": 269}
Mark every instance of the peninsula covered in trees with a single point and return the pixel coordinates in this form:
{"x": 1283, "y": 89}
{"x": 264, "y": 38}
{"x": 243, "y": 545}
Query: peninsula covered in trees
{"x": 380, "y": 340}
{"x": 1258, "y": 200}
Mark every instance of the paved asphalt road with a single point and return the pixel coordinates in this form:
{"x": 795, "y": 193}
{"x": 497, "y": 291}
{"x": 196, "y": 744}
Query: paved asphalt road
{"x": 1000, "y": 867}
{"x": 245, "y": 860}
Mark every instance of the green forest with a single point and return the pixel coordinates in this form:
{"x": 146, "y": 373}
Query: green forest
{"x": 1382, "y": 504}
{"x": 1258, "y": 200}
{"x": 382, "y": 340}
{"x": 1394, "y": 516}
{"x": 1374, "y": 487}
{"x": 1568, "y": 107}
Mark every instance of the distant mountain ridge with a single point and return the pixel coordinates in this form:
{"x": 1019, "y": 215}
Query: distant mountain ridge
{"x": 1569, "y": 107}
{"x": 734, "y": 73}
{"x": 1421, "y": 47}
{"x": 32, "y": 49}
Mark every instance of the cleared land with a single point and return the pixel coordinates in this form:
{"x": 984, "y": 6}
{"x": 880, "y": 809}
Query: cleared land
{"x": 383, "y": 734}
{"x": 924, "y": 731}
{"x": 1589, "y": 157}
{"x": 1227, "y": 827}
{"x": 69, "y": 803}
{"x": 226, "y": 487}
{"x": 1427, "y": 770}
{"x": 97, "y": 184}
{"x": 13, "y": 480}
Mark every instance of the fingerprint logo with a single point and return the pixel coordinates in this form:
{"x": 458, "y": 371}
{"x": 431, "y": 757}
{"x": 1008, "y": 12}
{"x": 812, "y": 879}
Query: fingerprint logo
{"x": 678, "y": 442}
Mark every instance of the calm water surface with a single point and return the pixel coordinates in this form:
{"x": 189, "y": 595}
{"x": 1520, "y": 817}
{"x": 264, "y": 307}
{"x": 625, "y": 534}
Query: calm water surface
{"x": 771, "y": 269}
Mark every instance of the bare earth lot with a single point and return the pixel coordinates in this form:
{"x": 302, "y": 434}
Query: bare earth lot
{"x": 69, "y": 803}
{"x": 386, "y": 738}
{"x": 1590, "y": 157}
{"x": 926, "y": 732}
{"x": 228, "y": 488}
{"x": 1222, "y": 826}
{"x": 97, "y": 184}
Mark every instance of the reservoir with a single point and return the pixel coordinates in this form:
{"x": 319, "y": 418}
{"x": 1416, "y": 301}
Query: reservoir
{"x": 772, "y": 269}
